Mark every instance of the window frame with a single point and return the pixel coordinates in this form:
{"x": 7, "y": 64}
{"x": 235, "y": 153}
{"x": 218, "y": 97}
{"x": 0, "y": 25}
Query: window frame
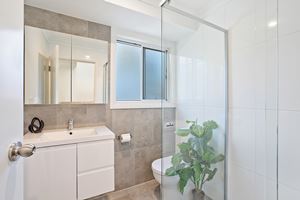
{"x": 165, "y": 81}
{"x": 142, "y": 103}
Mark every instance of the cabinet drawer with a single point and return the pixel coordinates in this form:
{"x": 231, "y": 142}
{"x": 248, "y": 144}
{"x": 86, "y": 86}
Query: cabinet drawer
{"x": 48, "y": 171}
{"x": 95, "y": 155}
{"x": 95, "y": 183}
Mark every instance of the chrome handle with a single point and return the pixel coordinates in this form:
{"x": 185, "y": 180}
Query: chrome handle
{"x": 70, "y": 124}
{"x": 169, "y": 124}
{"x": 17, "y": 149}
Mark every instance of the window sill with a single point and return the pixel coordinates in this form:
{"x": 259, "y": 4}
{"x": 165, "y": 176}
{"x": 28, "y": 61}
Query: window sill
{"x": 141, "y": 104}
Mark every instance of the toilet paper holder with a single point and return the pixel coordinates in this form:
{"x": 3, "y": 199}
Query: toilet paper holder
{"x": 119, "y": 137}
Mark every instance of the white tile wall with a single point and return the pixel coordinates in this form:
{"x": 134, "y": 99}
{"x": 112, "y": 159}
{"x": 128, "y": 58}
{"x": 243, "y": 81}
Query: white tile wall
{"x": 257, "y": 82}
{"x": 264, "y": 73}
{"x": 289, "y": 99}
{"x": 241, "y": 183}
{"x": 252, "y": 97}
{"x": 242, "y": 138}
{"x": 270, "y": 142}
{"x": 289, "y": 72}
{"x": 287, "y": 192}
{"x": 288, "y": 16}
{"x": 289, "y": 141}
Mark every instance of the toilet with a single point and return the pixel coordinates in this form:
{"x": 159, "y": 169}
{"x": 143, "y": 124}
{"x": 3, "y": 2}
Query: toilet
{"x": 168, "y": 184}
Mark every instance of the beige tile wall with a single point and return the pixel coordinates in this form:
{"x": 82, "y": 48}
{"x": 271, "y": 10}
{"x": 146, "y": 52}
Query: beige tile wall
{"x": 133, "y": 162}
{"x": 57, "y": 116}
{"x": 45, "y": 19}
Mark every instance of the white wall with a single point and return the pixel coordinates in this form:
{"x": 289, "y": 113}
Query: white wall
{"x": 201, "y": 90}
{"x": 289, "y": 98}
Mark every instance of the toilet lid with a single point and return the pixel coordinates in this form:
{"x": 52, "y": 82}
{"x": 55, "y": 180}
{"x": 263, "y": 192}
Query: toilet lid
{"x": 160, "y": 166}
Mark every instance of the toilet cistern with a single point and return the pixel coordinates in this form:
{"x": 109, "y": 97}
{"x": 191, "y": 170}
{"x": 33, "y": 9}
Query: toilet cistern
{"x": 70, "y": 124}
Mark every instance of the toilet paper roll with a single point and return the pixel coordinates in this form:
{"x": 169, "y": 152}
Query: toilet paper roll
{"x": 125, "y": 138}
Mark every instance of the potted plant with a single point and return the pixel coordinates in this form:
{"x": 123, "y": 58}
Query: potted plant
{"x": 196, "y": 158}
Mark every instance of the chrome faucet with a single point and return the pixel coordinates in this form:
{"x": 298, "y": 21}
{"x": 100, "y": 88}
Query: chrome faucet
{"x": 70, "y": 124}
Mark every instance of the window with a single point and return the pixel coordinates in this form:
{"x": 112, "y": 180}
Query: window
{"x": 141, "y": 73}
{"x": 154, "y": 74}
{"x": 129, "y": 71}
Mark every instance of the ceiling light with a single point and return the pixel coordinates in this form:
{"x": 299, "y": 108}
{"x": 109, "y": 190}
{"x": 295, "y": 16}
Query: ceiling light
{"x": 87, "y": 57}
{"x": 121, "y": 3}
{"x": 272, "y": 24}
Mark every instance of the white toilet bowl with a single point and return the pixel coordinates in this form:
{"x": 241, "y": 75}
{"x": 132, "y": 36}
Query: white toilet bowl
{"x": 168, "y": 184}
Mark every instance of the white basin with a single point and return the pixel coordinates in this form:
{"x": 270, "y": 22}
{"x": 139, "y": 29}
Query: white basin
{"x": 60, "y": 137}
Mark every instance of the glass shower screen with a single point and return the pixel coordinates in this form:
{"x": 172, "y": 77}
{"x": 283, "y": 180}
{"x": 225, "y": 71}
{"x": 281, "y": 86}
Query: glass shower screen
{"x": 194, "y": 112}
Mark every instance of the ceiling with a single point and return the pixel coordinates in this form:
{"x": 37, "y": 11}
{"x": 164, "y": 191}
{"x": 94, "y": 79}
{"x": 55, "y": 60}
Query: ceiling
{"x": 195, "y": 7}
{"x": 198, "y": 7}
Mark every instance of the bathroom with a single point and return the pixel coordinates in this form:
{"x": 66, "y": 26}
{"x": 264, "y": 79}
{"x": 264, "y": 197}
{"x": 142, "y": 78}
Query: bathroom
{"x": 149, "y": 99}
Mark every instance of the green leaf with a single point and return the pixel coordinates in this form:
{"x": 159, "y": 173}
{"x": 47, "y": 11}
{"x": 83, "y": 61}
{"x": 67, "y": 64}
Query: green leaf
{"x": 190, "y": 122}
{"x": 197, "y": 171}
{"x": 218, "y": 158}
{"x": 180, "y": 166}
{"x": 211, "y": 174}
{"x": 171, "y": 171}
{"x": 183, "y": 132}
{"x": 196, "y": 145}
{"x": 197, "y": 131}
{"x": 210, "y": 125}
{"x": 184, "y": 175}
{"x": 207, "y": 136}
{"x": 186, "y": 157}
{"x": 185, "y": 149}
{"x": 176, "y": 159}
{"x": 181, "y": 185}
{"x": 208, "y": 156}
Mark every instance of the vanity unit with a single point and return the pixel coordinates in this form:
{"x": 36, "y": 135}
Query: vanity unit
{"x": 70, "y": 165}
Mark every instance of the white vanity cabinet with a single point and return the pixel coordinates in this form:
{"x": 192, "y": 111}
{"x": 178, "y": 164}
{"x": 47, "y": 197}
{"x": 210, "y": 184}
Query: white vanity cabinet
{"x": 73, "y": 167}
{"x": 95, "y": 168}
{"x": 51, "y": 174}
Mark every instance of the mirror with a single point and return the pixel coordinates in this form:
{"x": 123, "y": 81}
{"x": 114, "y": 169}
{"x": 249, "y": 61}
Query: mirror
{"x": 62, "y": 68}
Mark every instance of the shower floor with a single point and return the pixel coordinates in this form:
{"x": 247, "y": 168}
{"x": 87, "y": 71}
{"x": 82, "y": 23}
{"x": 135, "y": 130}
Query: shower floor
{"x": 146, "y": 191}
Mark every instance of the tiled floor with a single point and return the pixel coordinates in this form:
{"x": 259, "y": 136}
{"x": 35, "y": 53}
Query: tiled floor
{"x": 146, "y": 191}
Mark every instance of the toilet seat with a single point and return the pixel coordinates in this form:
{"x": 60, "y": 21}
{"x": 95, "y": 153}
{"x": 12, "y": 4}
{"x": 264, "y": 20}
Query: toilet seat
{"x": 160, "y": 166}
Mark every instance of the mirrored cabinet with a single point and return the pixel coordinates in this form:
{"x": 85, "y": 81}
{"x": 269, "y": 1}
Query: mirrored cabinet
{"x": 62, "y": 68}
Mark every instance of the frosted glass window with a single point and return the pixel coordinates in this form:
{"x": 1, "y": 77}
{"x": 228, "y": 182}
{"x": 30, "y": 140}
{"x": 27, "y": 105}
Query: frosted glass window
{"x": 154, "y": 74}
{"x": 129, "y": 69}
